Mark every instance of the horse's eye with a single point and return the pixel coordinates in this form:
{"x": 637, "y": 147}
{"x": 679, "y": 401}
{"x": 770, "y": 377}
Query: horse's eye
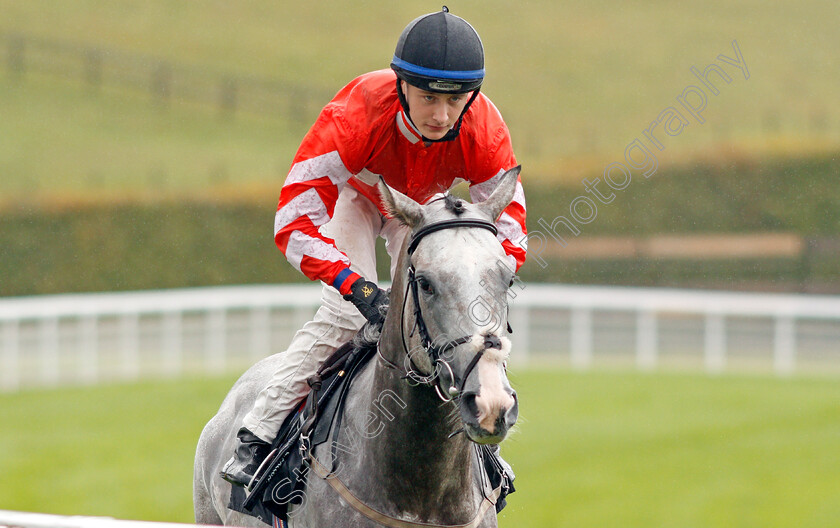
{"x": 425, "y": 285}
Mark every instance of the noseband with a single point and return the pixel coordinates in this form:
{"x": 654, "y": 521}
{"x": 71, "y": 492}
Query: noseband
{"x": 434, "y": 351}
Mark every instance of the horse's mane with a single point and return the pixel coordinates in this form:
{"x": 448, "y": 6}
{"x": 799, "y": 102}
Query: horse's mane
{"x": 452, "y": 203}
{"x": 368, "y": 336}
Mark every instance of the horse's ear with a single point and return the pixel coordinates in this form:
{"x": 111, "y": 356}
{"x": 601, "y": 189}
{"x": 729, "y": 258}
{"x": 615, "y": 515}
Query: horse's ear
{"x": 399, "y": 205}
{"x": 501, "y": 195}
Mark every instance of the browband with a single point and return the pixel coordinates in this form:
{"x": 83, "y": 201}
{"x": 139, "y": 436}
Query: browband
{"x": 448, "y": 224}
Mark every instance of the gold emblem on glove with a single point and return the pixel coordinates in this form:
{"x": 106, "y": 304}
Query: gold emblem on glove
{"x": 367, "y": 290}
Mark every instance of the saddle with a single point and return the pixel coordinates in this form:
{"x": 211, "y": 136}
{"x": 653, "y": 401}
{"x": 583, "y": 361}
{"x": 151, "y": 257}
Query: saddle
{"x": 279, "y": 481}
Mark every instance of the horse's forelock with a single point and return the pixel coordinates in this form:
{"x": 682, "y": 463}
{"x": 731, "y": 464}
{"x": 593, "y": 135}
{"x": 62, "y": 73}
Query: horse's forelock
{"x": 454, "y": 204}
{"x": 448, "y": 206}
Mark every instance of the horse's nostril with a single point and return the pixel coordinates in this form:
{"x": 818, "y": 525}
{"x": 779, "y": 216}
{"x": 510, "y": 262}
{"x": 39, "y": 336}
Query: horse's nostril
{"x": 511, "y": 415}
{"x": 469, "y": 407}
{"x": 471, "y": 400}
{"x": 492, "y": 341}
{"x": 508, "y": 413}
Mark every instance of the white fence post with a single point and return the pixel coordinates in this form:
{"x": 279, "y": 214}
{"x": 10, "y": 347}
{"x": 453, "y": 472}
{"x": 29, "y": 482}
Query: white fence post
{"x": 173, "y": 359}
{"x": 10, "y": 360}
{"x": 715, "y": 343}
{"x": 302, "y": 315}
{"x": 89, "y": 343}
{"x": 129, "y": 343}
{"x": 48, "y": 340}
{"x": 216, "y": 333}
{"x": 647, "y": 337}
{"x": 521, "y": 337}
{"x": 581, "y": 337}
{"x": 784, "y": 345}
{"x": 259, "y": 321}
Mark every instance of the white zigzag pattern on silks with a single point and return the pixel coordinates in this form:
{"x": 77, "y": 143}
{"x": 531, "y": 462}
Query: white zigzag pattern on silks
{"x": 301, "y": 244}
{"x": 509, "y": 229}
{"x": 328, "y": 164}
{"x": 307, "y": 203}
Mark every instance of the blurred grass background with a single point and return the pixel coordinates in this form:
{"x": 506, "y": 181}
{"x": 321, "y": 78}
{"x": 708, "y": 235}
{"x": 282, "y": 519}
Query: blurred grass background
{"x": 132, "y": 242}
{"x": 597, "y": 449}
{"x": 576, "y": 81}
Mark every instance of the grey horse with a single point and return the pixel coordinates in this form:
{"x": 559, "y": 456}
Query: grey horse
{"x": 400, "y": 457}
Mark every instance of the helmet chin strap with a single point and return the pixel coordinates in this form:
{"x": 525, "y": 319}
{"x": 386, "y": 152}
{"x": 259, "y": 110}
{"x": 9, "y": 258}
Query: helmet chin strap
{"x": 452, "y": 133}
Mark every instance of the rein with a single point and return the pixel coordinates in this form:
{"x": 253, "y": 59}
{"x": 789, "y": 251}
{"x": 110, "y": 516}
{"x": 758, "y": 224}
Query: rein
{"x": 392, "y": 522}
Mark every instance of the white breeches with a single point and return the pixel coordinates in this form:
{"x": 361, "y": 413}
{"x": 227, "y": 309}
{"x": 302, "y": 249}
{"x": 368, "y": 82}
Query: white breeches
{"x": 355, "y": 226}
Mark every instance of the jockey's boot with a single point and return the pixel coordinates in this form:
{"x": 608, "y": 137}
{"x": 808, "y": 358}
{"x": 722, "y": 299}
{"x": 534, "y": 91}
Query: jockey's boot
{"x": 250, "y": 453}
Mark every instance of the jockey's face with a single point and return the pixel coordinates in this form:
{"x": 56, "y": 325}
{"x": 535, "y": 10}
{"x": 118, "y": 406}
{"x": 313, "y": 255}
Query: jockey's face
{"x": 433, "y": 113}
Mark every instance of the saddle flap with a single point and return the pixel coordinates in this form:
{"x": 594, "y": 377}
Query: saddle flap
{"x": 282, "y": 482}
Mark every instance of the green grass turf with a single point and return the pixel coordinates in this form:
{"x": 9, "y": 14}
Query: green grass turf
{"x": 594, "y": 449}
{"x": 60, "y": 140}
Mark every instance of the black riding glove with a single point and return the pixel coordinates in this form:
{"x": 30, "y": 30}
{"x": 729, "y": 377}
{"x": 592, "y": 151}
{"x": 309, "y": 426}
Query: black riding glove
{"x": 368, "y": 297}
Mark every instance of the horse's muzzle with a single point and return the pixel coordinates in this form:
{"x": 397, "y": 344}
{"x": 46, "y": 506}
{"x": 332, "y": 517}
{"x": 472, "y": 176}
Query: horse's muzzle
{"x": 488, "y": 422}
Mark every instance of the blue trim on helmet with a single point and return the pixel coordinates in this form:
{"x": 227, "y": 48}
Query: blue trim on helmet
{"x": 463, "y": 75}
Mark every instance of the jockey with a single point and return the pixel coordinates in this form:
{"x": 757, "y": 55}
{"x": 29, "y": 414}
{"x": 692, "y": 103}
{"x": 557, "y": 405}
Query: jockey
{"x": 420, "y": 125}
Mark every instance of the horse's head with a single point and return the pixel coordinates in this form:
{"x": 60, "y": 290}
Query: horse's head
{"x": 450, "y": 305}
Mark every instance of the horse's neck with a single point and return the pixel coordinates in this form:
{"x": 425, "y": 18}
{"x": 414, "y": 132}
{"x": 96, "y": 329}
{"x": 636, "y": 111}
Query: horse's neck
{"x": 413, "y": 455}
{"x": 406, "y": 453}
{"x": 423, "y": 422}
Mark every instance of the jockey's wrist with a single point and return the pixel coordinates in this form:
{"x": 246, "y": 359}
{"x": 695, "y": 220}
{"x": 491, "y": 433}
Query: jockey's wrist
{"x": 344, "y": 280}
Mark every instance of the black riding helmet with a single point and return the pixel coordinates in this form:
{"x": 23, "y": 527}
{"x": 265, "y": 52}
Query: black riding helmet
{"x": 440, "y": 53}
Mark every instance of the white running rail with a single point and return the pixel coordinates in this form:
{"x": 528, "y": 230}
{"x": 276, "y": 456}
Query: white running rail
{"x": 13, "y": 519}
{"x": 92, "y": 338}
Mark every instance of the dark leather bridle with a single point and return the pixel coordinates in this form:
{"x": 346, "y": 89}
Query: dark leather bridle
{"x": 434, "y": 351}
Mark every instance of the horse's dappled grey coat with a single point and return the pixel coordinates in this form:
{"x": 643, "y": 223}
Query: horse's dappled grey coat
{"x": 413, "y": 468}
